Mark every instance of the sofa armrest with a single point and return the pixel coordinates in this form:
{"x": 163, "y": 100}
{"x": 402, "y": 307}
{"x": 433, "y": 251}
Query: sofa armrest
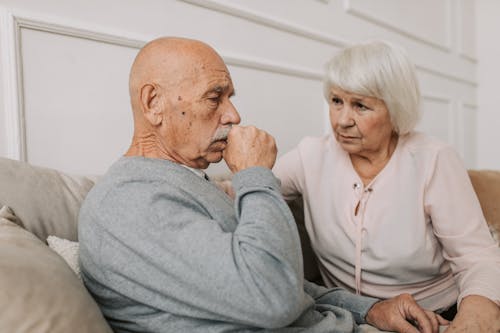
{"x": 486, "y": 184}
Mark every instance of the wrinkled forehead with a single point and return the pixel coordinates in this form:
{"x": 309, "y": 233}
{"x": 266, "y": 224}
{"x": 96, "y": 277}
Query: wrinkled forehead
{"x": 208, "y": 74}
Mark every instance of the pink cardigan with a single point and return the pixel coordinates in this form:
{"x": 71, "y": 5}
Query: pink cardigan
{"x": 419, "y": 228}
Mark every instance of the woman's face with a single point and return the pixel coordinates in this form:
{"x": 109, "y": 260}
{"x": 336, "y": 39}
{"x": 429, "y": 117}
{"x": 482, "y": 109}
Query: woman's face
{"x": 361, "y": 124}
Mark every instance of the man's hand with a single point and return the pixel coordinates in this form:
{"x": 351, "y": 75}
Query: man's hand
{"x": 402, "y": 314}
{"x": 248, "y": 146}
{"x": 476, "y": 314}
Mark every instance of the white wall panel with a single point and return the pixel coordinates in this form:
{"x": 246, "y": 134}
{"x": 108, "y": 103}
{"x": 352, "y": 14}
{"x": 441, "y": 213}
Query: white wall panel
{"x": 468, "y": 122}
{"x": 467, "y": 29}
{"x": 437, "y": 118}
{"x": 10, "y": 140}
{"x": 245, "y": 31}
{"x": 3, "y": 134}
{"x": 488, "y": 50}
{"x": 288, "y": 107}
{"x": 74, "y": 59}
{"x": 77, "y": 114}
{"x": 407, "y": 17}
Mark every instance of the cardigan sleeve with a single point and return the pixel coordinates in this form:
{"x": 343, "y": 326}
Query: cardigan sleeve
{"x": 460, "y": 226}
{"x": 288, "y": 169}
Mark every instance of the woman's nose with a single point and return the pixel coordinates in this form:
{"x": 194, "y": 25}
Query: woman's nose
{"x": 345, "y": 117}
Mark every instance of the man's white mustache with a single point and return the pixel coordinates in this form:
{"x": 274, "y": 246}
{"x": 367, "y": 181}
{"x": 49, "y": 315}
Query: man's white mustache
{"x": 222, "y": 133}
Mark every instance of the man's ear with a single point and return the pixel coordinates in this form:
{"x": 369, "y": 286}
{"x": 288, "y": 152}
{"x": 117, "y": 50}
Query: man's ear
{"x": 151, "y": 105}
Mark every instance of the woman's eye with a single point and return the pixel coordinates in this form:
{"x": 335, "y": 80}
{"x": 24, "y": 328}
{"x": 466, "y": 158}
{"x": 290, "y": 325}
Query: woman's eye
{"x": 336, "y": 100}
{"x": 360, "y": 106}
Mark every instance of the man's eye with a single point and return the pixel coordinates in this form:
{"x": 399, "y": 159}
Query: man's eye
{"x": 214, "y": 100}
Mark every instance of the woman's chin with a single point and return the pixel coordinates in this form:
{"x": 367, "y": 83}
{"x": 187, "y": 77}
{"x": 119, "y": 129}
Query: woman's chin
{"x": 350, "y": 147}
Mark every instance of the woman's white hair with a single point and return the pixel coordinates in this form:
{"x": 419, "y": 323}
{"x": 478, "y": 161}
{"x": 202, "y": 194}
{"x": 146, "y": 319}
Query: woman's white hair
{"x": 382, "y": 70}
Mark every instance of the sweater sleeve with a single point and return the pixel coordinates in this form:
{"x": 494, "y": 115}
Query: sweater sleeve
{"x": 189, "y": 266}
{"x": 357, "y": 305}
{"x": 289, "y": 171}
{"x": 460, "y": 226}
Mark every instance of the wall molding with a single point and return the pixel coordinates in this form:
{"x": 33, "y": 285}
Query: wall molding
{"x": 12, "y": 100}
{"x": 269, "y": 21}
{"x": 11, "y": 29}
{"x": 450, "y": 114}
{"x": 72, "y": 31}
{"x": 122, "y": 39}
{"x": 436, "y": 98}
{"x": 350, "y": 9}
{"x": 467, "y": 57}
{"x": 443, "y": 75}
{"x": 269, "y": 66}
{"x": 469, "y": 105}
{"x": 461, "y": 124}
{"x": 282, "y": 25}
{"x": 459, "y": 27}
{"x": 12, "y": 25}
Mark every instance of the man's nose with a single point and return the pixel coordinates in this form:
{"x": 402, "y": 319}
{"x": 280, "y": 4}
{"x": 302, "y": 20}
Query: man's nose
{"x": 230, "y": 115}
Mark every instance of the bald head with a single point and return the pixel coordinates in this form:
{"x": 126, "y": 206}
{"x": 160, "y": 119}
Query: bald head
{"x": 166, "y": 62}
{"x": 180, "y": 92}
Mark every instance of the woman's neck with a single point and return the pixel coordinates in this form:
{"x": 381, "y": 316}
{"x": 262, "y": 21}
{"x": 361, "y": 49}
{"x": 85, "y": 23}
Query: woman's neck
{"x": 369, "y": 165}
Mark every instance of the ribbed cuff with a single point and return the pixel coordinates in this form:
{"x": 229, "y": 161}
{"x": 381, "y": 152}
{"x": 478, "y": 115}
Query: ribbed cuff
{"x": 356, "y": 304}
{"x": 255, "y": 177}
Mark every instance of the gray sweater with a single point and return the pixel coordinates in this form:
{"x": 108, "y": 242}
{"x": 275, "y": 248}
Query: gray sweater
{"x": 164, "y": 250}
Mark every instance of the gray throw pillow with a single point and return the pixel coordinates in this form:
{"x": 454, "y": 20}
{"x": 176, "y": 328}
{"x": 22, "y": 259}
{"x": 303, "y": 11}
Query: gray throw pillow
{"x": 46, "y": 201}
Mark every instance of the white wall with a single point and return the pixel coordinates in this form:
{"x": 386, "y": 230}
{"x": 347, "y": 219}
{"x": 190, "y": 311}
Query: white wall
{"x": 488, "y": 47}
{"x": 64, "y": 66}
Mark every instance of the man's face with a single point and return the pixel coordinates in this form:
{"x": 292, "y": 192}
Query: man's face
{"x": 199, "y": 114}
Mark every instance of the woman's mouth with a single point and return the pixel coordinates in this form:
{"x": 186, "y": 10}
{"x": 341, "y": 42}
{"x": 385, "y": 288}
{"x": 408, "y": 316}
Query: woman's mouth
{"x": 347, "y": 137}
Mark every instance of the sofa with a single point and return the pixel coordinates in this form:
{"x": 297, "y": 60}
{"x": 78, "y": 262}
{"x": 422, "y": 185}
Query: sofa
{"x": 40, "y": 290}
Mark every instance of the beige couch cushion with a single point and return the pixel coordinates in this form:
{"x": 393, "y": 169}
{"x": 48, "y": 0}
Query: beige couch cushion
{"x": 486, "y": 183}
{"x": 38, "y": 291}
{"x": 46, "y": 201}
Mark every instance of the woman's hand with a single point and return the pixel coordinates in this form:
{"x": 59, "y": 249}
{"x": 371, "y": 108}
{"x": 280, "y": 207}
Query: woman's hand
{"x": 402, "y": 314}
{"x": 476, "y": 314}
{"x": 226, "y": 186}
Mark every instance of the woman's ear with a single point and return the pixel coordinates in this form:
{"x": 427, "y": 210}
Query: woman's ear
{"x": 151, "y": 105}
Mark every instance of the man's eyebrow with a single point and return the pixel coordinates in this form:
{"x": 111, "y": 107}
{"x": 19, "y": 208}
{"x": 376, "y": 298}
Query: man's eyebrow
{"x": 219, "y": 90}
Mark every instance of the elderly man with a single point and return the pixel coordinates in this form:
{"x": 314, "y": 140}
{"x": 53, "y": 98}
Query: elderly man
{"x": 162, "y": 249}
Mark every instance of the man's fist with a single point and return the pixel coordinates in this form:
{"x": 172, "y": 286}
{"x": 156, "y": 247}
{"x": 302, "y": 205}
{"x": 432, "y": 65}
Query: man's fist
{"x": 248, "y": 146}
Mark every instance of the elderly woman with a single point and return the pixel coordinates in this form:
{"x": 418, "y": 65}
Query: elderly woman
{"x": 390, "y": 210}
